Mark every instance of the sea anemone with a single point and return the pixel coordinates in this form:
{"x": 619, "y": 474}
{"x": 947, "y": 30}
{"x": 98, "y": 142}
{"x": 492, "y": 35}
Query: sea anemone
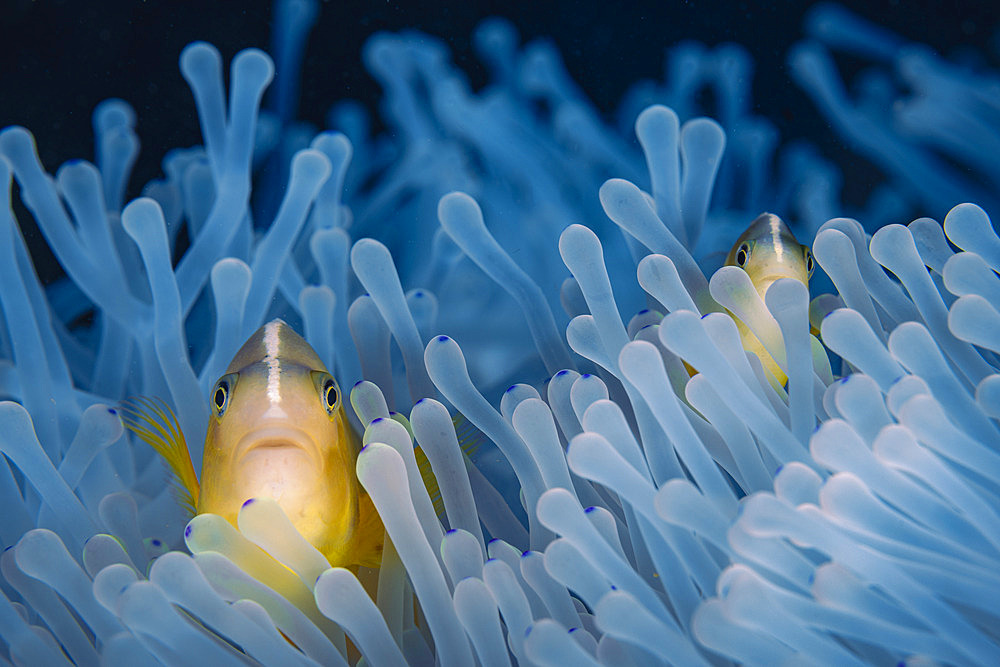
{"x": 616, "y": 509}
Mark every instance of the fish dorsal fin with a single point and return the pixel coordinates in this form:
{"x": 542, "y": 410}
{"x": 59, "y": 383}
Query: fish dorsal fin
{"x": 154, "y": 422}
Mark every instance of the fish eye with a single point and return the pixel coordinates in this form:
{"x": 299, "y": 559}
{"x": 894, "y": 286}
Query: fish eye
{"x": 220, "y": 397}
{"x": 330, "y": 395}
{"x": 742, "y": 255}
{"x": 809, "y": 262}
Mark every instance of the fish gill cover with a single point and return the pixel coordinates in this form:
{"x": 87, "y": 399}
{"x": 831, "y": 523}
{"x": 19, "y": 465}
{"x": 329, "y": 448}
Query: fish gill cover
{"x": 509, "y": 252}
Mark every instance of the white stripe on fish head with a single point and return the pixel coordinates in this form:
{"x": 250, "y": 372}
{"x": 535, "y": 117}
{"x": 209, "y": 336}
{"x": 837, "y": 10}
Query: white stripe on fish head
{"x": 271, "y": 350}
{"x": 777, "y": 242}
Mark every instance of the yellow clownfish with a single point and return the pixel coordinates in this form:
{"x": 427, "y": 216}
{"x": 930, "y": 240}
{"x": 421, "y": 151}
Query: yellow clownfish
{"x": 278, "y": 429}
{"x": 768, "y": 251}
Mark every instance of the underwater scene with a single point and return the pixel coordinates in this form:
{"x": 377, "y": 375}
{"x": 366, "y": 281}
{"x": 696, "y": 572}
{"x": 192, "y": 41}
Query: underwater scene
{"x": 361, "y": 335}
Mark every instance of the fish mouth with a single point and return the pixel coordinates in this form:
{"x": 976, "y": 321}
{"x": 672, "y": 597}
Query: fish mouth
{"x": 276, "y": 438}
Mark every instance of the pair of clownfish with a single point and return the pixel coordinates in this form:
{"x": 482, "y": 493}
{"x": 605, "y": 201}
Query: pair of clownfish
{"x": 278, "y": 427}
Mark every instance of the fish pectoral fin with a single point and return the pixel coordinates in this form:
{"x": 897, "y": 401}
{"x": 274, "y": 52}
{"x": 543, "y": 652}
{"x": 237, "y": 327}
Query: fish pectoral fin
{"x": 152, "y": 420}
{"x": 369, "y": 535}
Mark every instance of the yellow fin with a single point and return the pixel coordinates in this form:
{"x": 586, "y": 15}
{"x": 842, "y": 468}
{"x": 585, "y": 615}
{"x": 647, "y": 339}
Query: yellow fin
{"x": 430, "y": 481}
{"x": 469, "y": 440}
{"x": 469, "y": 437}
{"x": 369, "y": 536}
{"x": 154, "y": 422}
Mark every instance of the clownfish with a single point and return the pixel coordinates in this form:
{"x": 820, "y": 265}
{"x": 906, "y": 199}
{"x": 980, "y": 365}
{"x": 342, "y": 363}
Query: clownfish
{"x": 768, "y": 251}
{"x": 278, "y": 429}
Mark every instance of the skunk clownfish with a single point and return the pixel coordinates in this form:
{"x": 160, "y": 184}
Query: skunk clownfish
{"x": 768, "y": 251}
{"x": 278, "y": 429}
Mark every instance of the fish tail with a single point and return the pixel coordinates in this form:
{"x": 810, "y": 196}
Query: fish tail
{"x": 152, "y": 420}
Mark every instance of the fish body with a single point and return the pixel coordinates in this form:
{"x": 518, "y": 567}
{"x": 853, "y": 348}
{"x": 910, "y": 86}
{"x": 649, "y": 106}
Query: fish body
{"x": 768, "y": 251}
{"x": 278, "y": 429}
